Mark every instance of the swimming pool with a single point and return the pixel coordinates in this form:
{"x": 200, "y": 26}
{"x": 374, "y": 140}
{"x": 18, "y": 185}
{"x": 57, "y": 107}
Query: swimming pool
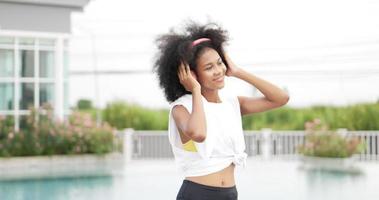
{"x": 158, "y": 179}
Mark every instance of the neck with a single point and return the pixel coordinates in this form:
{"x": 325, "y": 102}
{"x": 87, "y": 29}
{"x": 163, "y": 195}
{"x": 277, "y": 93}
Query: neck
{"x": 211, "y": 96}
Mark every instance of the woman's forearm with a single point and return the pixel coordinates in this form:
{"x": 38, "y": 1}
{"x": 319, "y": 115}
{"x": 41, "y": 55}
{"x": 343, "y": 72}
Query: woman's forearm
{"x": 197, "y": 123}
{"x": 269, "y": 90}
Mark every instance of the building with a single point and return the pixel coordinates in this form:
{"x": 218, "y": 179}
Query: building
{"x": 34, "y": 38}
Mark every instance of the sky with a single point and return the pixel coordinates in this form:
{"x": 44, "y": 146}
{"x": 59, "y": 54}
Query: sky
{"x": 323, "y": 52}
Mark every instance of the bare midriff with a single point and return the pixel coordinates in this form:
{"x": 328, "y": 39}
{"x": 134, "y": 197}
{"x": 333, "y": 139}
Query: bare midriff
{"x": 223, "y": 178}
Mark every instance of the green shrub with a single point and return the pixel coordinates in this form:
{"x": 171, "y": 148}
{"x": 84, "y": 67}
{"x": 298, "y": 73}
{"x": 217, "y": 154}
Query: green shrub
{"x": 321, "y": 142}
{"x": 123, "y": 115}
{"x": 42, "y": 135}
{"x": 84, "y": 104}
{"x": 354, "y": 117}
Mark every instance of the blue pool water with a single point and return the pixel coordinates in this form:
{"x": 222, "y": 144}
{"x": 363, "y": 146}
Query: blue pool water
{"x": 159, "y": 180}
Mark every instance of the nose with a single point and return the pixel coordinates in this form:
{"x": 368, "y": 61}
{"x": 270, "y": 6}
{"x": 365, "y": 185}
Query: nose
{"x": 220, "y": 70}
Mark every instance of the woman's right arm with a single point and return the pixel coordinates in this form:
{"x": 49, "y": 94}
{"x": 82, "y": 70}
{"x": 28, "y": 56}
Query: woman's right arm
{"x": 192, "y": 125}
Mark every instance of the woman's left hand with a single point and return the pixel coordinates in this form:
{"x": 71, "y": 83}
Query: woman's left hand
{"x": 232, "y": 69}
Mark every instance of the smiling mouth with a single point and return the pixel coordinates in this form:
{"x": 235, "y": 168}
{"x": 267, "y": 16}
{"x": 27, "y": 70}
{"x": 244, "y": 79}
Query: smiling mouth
{"x": 219, "y": 79}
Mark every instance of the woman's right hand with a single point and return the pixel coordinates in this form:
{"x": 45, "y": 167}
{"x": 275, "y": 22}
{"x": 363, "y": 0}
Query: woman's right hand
{"x": 187, "y": 77}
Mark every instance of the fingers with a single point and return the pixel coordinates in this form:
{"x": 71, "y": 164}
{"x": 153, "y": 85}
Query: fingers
{"x": 187, "y": 70}
{"x": 181, "y": 71}
{"x": 193, "y": 75}
{"x": 227, "y": 58}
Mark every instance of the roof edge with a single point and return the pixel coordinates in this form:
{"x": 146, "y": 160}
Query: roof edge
{"x": 77, "y": 4}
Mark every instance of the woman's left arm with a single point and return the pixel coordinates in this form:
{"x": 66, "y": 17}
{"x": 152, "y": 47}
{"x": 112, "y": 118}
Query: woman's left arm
{"x": 273, "y": 96}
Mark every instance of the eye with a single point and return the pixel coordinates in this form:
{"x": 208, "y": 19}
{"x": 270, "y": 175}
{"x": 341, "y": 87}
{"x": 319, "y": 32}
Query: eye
{"x": 219, "y": 61}
{"x": 208, "y": 68}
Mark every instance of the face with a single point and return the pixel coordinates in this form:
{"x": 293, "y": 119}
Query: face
{"x": 210, "y": 70}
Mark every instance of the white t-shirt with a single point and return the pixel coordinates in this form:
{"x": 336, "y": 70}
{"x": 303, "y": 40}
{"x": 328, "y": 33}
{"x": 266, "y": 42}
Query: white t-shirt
{"x": 224, "y": 143}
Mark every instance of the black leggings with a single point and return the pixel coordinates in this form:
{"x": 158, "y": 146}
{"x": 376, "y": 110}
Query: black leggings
{"x": 195, "y": 191}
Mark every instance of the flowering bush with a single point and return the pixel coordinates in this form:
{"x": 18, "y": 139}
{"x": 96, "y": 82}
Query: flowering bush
{"x": 43, "y": 135}
{"x": 321, "y": 142}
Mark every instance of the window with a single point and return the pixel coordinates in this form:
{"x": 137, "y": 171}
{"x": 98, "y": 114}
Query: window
{"x": 46, "y": 94}
{"x": 46, "y": 42}
{"x": 27, "y": 42}
{"x": 27, "y": 96}
{"x": 28, "y": 67}
{"x": 6, "y": 40}
{"x": 46, "y": 63}
{"x": 6, "y": 96}
{"x": 65, "y": 64}
{"x": 27, "y": 63}
{"x": 6, "y": 63}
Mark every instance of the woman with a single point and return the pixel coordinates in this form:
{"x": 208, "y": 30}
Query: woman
{"x": 205, "y": 127}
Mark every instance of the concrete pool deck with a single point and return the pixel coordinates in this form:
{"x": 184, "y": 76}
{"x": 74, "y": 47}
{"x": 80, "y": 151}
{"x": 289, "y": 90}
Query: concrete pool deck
{"x": 60, "y": 166}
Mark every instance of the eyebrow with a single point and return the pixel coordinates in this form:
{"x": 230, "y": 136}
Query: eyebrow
{"x": 210, "y": 63}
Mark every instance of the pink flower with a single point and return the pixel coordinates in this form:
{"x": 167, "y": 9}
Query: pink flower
{"x": 309, "y": 145}
{"x": 87, "y": 123}
{"x": 11, "y": 135}
{"x": 317, "y": 121}
{"x": 309, "y": 125}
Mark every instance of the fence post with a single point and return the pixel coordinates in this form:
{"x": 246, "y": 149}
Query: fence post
{"x": 266, "y": 143}
{"x": 342, "y": 132}
{"x": 128, "y": 144}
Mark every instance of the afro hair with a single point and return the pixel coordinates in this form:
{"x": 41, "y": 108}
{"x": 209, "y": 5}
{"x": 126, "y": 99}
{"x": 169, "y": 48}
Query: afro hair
{"x": 175, "y": 47}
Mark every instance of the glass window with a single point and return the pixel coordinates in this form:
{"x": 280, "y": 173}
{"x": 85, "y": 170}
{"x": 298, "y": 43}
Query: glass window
{"x": 65, "y": 65}
{"x": 47, "y": 42}
{"x": 46, "y": 63}
{"x": 27, "y": 96}
{"x": 46, "y": 94}
{"x": 66, "y": 43}
{"x": 6, "y": 96}
{"x": 27, "y": 63}
{"x": 6, "y": 40}
{"x": 26, "y": 41}
{"x": 6, "y": 63}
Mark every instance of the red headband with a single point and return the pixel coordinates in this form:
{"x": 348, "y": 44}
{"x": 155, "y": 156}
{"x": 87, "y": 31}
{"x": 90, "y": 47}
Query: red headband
{"x": 198, "y": 41}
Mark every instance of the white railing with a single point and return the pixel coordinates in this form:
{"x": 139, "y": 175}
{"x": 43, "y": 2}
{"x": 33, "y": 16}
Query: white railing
{"x": 266, "y": 143}
{"x": 371, "y": 138}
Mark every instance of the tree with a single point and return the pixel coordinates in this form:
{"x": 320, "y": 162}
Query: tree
{"x": 84, "y": 104}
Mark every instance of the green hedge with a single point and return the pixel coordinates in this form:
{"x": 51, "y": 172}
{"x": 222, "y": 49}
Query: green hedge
{"x": 123, "y": 115}
{"x": 356, "y": 117}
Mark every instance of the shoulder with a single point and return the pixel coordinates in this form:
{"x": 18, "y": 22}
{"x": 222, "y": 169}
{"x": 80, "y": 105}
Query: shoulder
{"x": 185, "y": 101}
{"x": 231, "y": 98}
{"x": 187, "y": 98}
{"x": 232, "y": 103}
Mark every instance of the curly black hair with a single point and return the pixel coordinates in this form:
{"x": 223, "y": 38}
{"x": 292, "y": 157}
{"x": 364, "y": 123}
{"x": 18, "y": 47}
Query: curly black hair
{"x": 175, "y": 47}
